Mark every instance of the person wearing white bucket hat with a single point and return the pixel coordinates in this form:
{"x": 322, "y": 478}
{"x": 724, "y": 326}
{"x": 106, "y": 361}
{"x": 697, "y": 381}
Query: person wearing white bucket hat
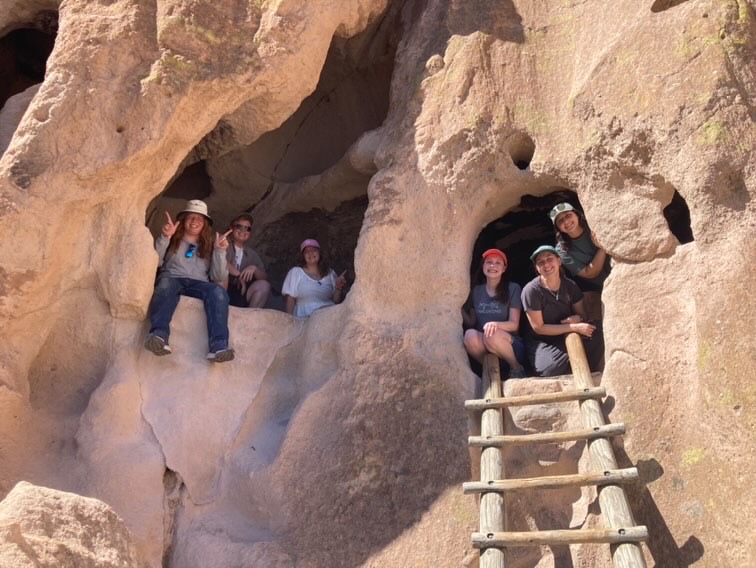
{"x": 311, "y": 285}
{"x": 193, "y": 264}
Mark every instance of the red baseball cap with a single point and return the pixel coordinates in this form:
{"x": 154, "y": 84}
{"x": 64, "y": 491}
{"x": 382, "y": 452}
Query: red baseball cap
{"x": 495, "y": 252}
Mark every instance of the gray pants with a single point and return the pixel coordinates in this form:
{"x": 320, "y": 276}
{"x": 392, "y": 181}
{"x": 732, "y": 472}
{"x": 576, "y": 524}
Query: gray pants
{"x": 548, "y": 355}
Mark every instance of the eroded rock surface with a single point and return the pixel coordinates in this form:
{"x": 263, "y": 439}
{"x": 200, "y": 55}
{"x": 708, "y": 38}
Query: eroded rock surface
{"x": 338, "y": 441}
{"x": 44, "y": 527}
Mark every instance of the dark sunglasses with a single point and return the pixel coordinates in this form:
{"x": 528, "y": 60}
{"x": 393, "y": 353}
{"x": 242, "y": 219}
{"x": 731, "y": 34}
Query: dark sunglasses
{"x": 245, "y": 228}
{"x": 190, "y": 251}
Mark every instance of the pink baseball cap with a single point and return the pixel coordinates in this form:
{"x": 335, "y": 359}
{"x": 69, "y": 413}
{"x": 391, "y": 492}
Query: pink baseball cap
{"x": 309, "y": 243}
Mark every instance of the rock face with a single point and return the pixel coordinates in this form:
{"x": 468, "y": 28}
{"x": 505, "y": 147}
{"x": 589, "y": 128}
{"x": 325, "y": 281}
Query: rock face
{"x": 44, "y": 527}
{"x": 340, "y": 440}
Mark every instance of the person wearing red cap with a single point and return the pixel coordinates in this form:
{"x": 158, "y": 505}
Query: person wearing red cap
{"x": 496, "y": 312}
{"x": 311, "y": 285}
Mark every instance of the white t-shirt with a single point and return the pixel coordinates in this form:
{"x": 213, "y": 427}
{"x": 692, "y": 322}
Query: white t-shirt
{"x": 238, "y": 255}
{"x": 310, "y": 294}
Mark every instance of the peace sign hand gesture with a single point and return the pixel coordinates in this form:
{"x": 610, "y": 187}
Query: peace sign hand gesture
{"x": 221, "y": 240}
{"x": 170, "y": 227}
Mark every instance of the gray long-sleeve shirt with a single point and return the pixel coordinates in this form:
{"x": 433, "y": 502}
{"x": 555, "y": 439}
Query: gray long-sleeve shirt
{"x": 179, "y": 266}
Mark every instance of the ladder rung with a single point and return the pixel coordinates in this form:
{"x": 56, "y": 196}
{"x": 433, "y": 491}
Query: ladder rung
{"x": 531, "y": 399}
{"x": 612, "y": 476}
{"x": 557, "y": 537}
{"x": 548, "y": 437}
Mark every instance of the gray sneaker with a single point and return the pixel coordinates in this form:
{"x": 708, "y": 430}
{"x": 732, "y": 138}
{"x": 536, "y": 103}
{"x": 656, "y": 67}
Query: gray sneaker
{"x": 221, "y": 356}
{"x": 157, "y": 345}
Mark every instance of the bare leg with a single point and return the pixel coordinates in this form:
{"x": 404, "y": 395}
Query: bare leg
{"x": 474, "y": 344}
{"x": 500, "y": 344}
{"x": 258, "y": 293}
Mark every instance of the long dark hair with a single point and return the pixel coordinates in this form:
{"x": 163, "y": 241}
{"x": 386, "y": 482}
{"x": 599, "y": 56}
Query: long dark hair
{"x": 204, "y": 244}
{"x": 563, "y": 239}
{"x": 502, "y": 288}
{"x": 502, "y": 291}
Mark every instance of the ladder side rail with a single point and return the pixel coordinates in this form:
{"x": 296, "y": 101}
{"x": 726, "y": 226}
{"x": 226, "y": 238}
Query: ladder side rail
{"x": 492, "y": 514}
{"x": 615, "y": 507}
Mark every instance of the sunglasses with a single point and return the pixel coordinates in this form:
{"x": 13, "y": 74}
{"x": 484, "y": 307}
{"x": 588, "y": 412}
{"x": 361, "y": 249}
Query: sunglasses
{"x": 190, "y": 251}
{"x": 245, "y": 228}
{"x": 560, "y": 208}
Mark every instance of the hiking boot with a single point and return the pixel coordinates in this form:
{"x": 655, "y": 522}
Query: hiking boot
{"x": 221, "y": 356}
{"x": 157, "y": 345}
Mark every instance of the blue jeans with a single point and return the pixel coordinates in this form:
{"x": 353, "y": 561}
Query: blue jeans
{"x": 166, "y": 296}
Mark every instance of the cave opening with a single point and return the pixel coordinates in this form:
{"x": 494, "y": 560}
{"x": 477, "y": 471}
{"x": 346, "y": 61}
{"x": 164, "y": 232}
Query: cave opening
{"x": 300, "y": 180}
{"x": 518, "y": 233}
{"x": 677, "y": 215}
{"x": 24, "y": 52}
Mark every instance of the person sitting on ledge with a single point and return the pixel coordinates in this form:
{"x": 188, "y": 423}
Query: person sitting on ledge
{"x": 311, "y": 285}
{"x": 554, "y": 307}
{"x": 248, "y": 284}
{"x": 191, "y": 264}
{"x": 495, "y": 316}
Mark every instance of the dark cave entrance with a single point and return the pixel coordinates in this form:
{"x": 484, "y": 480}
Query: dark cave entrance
{"x": 277, "y": 177}
{"x": 24, "y": 52}
{"x": 521, "y": 230}
{"x": 518, "y": 233}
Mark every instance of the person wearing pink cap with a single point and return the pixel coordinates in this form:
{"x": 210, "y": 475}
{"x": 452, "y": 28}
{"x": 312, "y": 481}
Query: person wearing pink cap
{"x": 311, "y": 285}
{"x": 496, "y": 316}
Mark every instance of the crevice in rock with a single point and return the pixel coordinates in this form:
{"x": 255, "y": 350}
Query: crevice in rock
{"x": 173, "y": 498}
{"x": 677, "y": 215}
{"x": 24, "y": 52}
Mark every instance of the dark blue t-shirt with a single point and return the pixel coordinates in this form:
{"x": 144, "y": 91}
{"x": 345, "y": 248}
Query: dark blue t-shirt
{"x": 490, "y": 309}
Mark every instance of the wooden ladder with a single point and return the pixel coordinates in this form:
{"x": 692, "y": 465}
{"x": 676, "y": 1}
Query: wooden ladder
{"x": 493, "y": 539}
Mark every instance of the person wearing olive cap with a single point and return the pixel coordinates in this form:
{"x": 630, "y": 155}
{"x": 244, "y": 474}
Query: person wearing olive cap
{"x": 554, "y": 307}
{"x": 582, "y": 255}
{"x": 495, "y": 316}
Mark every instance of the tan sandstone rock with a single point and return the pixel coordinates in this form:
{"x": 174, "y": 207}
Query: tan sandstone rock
{"x": 341, "y": 440}
{"x": 44, "y": 527}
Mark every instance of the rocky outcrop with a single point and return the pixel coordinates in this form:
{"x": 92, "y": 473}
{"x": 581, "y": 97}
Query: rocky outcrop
{"x": 44, "y": 527}
{"x": 338, "y": 441}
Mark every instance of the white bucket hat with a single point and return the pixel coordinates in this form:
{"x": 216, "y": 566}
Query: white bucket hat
{"x": 196, "y": 206}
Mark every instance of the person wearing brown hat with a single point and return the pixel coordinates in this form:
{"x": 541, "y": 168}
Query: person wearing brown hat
{"x": 554, "y": 307}
{"x": 248, "y": 284}
{"x": 495, "y": 316}
{"x": 192, "y": 263}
